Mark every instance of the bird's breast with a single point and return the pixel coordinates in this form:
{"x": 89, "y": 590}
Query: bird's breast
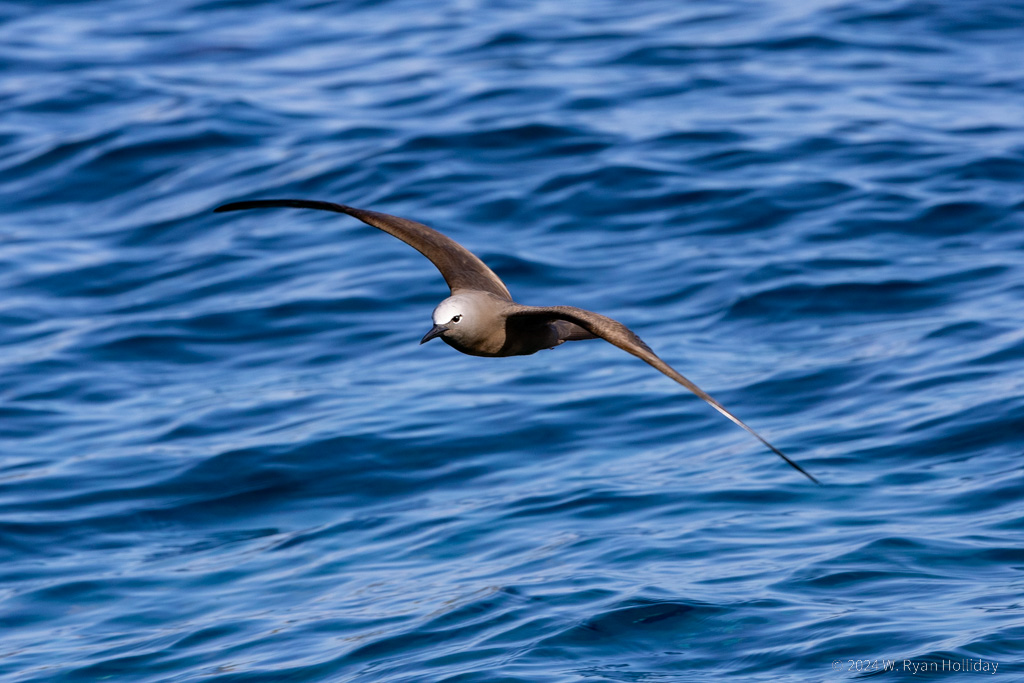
{"x": 490, "y": 346}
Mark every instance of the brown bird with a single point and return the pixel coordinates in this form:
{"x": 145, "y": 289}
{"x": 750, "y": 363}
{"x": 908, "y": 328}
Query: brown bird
{"x": 481, "y": 319}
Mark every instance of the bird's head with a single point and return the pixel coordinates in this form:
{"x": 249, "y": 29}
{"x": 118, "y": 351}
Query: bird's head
{"x": 459, "y": 320}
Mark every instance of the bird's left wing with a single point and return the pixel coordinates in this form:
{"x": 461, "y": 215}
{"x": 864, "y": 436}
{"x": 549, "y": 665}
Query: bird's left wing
{"x": 618, "y": 334}
{"x": 460, "y": 267}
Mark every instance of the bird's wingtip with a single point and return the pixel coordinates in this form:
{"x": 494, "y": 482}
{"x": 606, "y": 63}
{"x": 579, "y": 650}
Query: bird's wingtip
{"x": 792, "y": 463}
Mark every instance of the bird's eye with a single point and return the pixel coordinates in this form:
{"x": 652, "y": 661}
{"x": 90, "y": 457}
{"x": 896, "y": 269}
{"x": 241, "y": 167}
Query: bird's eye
{"x": 456, "y": 318}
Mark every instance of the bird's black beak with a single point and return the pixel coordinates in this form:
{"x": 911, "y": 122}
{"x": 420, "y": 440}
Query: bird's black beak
{"x": 435, "y": 331}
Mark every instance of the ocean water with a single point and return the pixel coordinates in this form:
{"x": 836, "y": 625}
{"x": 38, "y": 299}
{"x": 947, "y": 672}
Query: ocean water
{"x": 223, "y": 455}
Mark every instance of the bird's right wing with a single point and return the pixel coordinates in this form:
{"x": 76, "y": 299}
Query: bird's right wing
{"x": 618, "y": 334}
{"x": 461, "y": 269}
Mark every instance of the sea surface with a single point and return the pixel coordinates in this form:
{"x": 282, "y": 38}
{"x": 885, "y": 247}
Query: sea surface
{"x": 224, "y": 456}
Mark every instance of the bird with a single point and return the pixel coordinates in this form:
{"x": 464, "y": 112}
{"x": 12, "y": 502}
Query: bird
{"x": 480, "y": 318}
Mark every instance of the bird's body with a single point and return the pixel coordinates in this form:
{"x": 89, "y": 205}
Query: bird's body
{"x": 480, "y": 317}
{"x": 488, "y": 325}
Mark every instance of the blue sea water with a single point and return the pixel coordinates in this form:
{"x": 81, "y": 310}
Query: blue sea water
{"x": 223, "y": 455}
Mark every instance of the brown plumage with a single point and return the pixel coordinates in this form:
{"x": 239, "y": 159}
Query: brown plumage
{"x": 481, "y": 319}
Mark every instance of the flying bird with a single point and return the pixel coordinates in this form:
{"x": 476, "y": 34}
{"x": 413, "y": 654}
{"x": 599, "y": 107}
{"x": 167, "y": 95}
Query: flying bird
{"x": 481, "y": 319}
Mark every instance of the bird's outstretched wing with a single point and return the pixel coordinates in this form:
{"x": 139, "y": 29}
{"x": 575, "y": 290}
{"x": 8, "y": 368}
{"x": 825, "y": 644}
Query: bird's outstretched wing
{"x": 618, "y": 334}
{"x": 461, "y": 269}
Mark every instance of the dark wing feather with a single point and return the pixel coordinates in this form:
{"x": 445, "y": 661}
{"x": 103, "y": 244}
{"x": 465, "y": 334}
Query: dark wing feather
{"x": 618, "y": 334}
{"x": 461, "y": 269}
